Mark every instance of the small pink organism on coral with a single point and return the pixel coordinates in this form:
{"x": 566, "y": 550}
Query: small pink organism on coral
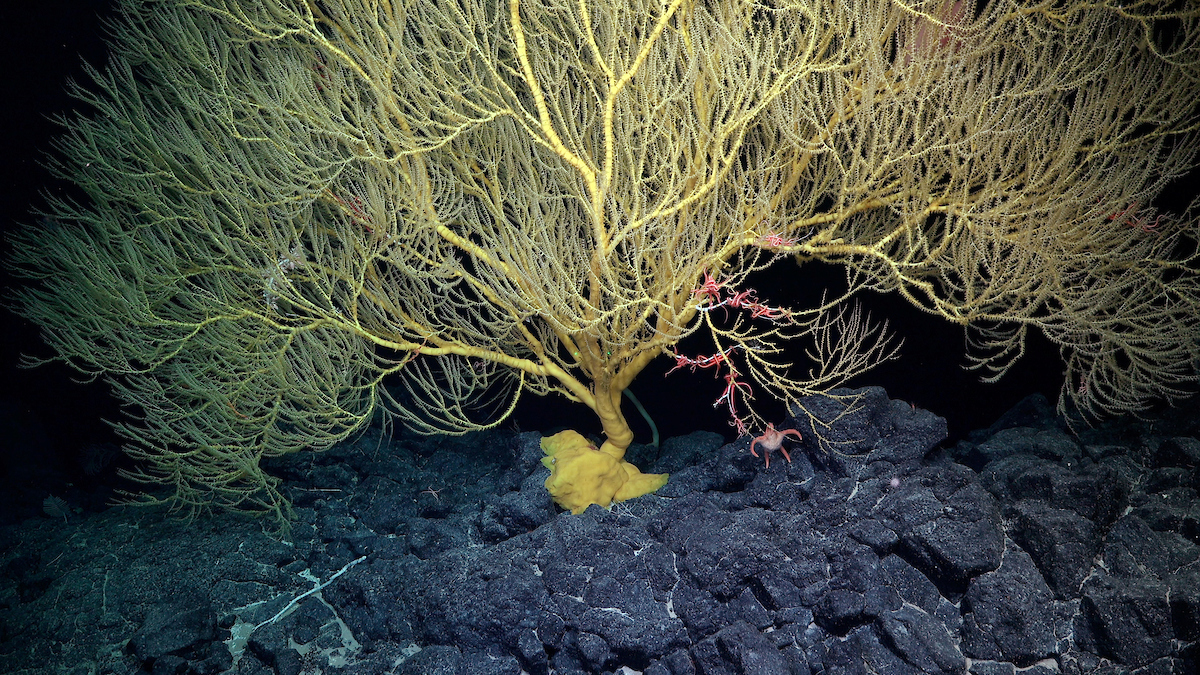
{"x": 772, "y": 439}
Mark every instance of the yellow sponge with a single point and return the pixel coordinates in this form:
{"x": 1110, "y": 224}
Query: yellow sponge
{"x": 581, "y": 474}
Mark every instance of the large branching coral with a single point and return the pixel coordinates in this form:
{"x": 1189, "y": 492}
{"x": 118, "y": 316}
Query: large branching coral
{"x": 291, "y": 203}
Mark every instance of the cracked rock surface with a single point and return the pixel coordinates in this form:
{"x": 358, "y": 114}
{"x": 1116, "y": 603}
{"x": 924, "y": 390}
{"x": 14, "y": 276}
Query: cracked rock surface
{"x": 875, "y": 550}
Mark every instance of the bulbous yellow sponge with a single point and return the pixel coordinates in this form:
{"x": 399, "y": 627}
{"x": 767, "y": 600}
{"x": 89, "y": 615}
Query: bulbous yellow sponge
{"x": 581, "y": 474}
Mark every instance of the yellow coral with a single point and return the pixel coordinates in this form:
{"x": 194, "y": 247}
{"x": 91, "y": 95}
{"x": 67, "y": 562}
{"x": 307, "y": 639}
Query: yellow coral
{"x": 582, "y": 475}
